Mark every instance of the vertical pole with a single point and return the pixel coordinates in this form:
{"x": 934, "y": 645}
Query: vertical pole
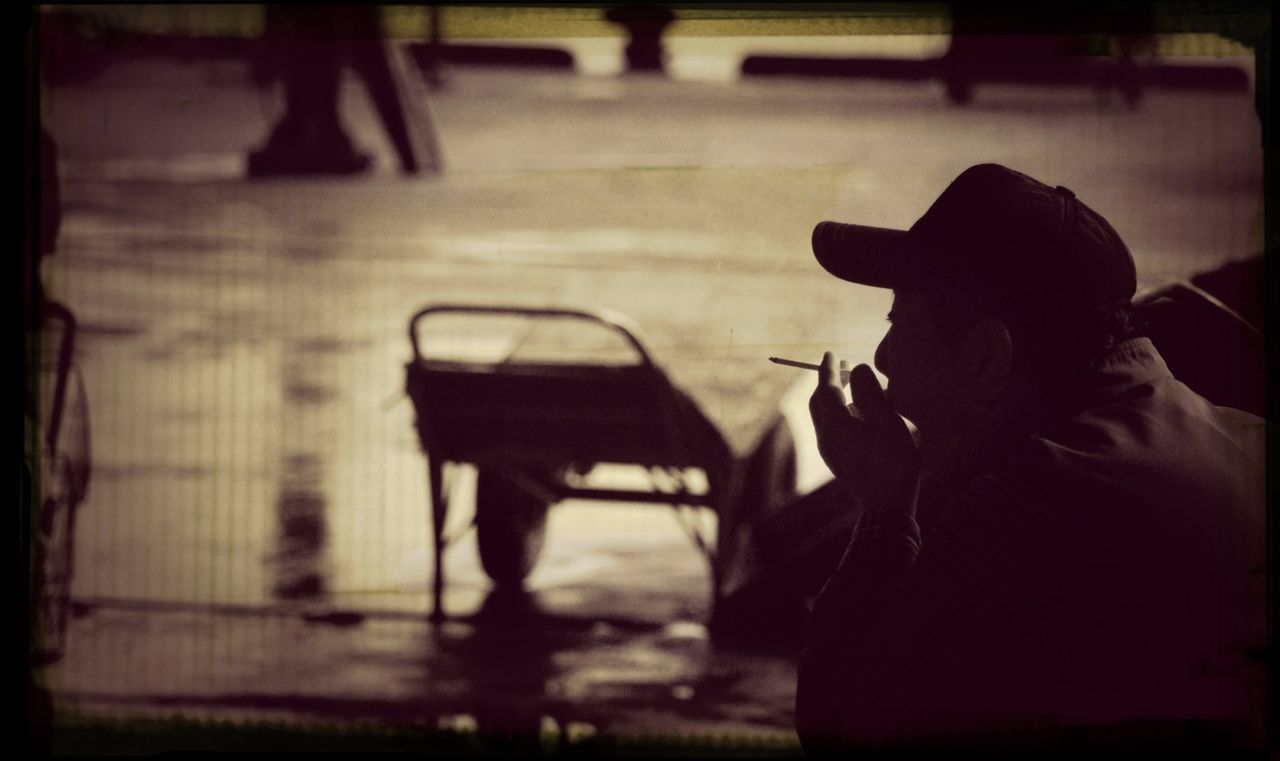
{"x": 439, "y": 510}
{"x": 433, "y": 49}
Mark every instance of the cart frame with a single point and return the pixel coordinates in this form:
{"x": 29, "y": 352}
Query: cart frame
{"x": 537, "y": 423}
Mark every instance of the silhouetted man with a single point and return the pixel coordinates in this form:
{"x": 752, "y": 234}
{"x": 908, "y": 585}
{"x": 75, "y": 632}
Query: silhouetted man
{"x": 1073, "y": 553}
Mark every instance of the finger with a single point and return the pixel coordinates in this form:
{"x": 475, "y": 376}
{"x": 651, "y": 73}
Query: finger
{"x": 868, "y": 396}
{"x": 830, "y": 390}
{"x": 827, "y": 408}
{"x": 826, "y": 404}
{"x": 827, "y": 373}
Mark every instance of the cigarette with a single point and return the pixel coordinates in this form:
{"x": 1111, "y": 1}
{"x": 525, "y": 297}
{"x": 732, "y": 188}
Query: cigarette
{"x": 793, "y": 363}
{"x": 844, "y": 370}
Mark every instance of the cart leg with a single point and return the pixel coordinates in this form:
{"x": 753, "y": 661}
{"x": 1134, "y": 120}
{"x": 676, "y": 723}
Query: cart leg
{"x": 439, "y": 510}
{"x": 725, "y": 494}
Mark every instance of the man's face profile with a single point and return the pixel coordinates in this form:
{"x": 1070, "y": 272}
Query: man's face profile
{"x": 944, "y": 384}
{"x": 921, "y": 377}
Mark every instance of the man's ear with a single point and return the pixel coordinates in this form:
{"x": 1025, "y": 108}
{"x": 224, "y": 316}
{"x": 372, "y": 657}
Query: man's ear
{"x": 987, "y": 356}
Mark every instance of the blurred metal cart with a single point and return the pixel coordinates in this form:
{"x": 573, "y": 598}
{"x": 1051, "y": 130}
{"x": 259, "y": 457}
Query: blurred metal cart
{"x": 535, "y": 429}
{"x": 62, "y": 464}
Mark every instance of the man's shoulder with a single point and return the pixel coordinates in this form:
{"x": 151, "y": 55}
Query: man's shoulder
{"x": 1129, "y": 460}
{"x": 1139, "y": 443}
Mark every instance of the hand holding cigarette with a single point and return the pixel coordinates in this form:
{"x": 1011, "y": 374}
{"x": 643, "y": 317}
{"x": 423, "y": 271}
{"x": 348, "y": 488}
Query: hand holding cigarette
{"x": 867, "y": 446}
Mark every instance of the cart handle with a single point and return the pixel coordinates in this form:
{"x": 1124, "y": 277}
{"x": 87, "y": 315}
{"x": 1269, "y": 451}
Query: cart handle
{"x": 56, "y": 311}
{"x": 610, "y": 319}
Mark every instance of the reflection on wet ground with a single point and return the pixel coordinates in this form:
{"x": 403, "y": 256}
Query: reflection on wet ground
{"x": 298, "y": 562}
{"x": 512, "y": 667}
{"x": 517, "y": 650}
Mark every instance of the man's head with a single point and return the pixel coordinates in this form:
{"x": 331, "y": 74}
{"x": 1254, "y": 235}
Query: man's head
{"x": 1005, "y": 285}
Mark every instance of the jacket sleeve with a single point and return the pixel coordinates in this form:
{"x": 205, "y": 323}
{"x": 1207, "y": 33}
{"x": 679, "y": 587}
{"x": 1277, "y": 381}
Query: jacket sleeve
{"x": 903, "y": 636}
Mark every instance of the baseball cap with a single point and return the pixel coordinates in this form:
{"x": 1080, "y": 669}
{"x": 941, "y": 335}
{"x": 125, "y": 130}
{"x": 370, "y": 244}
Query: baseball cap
{"x": 1014, "y": 236}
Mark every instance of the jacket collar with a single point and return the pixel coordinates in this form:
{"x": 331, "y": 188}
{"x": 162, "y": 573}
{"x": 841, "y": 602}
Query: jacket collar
{"x": 1132, "y": 363}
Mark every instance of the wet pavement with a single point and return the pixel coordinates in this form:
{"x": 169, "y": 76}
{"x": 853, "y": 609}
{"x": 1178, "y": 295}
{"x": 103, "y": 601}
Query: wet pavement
{"x": 255, "y": 544}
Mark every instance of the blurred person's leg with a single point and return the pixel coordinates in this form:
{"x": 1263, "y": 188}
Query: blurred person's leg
{"x": 268, "y": 61}
{"x": 369, "y": 54}
{"x": 309, "y": 138}
{"x": 644, "y": 26}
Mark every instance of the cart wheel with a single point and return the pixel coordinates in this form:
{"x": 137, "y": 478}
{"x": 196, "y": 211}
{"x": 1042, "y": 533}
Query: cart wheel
{"x": 511, "y": 524}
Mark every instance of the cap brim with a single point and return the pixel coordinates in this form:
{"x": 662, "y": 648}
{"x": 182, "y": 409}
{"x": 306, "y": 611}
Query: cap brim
{"x": 874, "y": 256}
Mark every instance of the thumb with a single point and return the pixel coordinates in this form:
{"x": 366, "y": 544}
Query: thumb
{"x": 868, "y": 397}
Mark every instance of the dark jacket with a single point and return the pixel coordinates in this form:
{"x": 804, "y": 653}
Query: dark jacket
{"x": 1099, "y": 580}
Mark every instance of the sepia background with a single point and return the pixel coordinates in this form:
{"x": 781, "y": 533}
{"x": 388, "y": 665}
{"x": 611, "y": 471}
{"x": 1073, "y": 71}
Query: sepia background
{"x": 255, "y": 542}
